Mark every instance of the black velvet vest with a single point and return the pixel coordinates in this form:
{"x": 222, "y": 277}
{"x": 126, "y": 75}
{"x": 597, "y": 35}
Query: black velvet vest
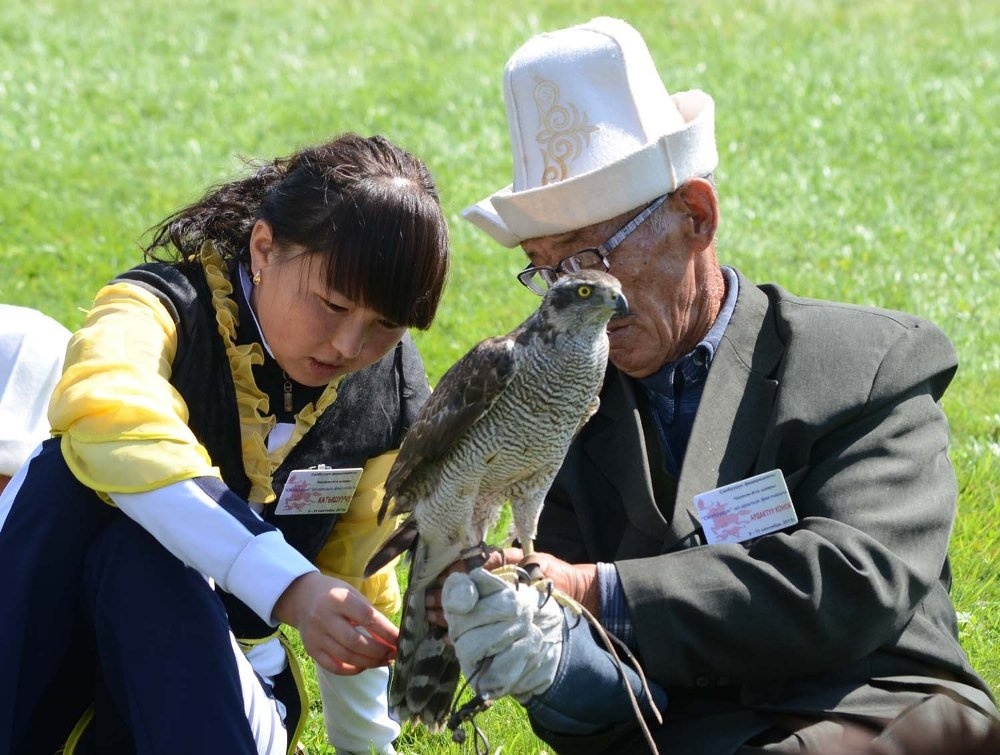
{"x": 373, "y": 409}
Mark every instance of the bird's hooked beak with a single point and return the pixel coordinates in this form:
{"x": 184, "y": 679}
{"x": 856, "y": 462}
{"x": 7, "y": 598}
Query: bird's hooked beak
{"x": 621, "y": 307}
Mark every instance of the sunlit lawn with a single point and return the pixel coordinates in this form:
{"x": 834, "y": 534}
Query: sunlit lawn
{"x": 859, "y": 148}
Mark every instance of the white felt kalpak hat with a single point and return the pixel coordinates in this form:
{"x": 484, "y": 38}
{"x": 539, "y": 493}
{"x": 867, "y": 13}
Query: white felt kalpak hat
{"x": 32, "y": 349}
{"x": 594, "y": 133}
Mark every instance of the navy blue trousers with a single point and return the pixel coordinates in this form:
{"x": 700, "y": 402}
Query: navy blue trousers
{"x": 93, "y": 610}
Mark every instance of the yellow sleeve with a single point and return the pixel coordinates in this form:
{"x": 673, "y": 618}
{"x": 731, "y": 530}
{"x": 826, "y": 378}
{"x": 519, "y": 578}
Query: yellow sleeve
{"x": 357, "y": 535}
{"x": 123, "y": 425}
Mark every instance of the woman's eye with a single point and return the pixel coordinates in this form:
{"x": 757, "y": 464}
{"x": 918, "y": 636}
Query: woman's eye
{"x": 389, "y": 324}
{"x": 334, "y": 307}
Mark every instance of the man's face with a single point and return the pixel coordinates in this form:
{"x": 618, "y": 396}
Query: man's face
{"x": 656, "y": 271}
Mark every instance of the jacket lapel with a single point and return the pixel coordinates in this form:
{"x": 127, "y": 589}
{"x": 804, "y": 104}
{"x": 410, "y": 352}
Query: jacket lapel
{"x": 727, "y": 432}
{"x": 735, "y": 406}
{"x": 618, "y": 451}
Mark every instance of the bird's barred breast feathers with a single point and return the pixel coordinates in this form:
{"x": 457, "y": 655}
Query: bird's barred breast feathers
{"x": 460, "y": 399}
{"x": 539, "y": 373}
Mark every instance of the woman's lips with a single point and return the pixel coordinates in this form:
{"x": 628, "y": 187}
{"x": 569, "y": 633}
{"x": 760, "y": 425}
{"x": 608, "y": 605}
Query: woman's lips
{"x": 325, "y": 368}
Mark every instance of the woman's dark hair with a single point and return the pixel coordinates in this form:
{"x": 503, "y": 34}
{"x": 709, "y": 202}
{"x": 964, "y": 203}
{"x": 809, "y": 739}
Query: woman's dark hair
{"x": 368, "y": 207}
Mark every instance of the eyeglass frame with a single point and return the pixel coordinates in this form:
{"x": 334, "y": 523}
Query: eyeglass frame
{"x": 602, "y": 252}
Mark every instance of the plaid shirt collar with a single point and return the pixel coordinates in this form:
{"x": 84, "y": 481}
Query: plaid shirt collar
{"x": 666, "y": 385}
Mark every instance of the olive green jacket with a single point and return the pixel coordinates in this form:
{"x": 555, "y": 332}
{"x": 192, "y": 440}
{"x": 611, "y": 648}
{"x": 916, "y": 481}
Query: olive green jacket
{"x": 848, "y": 611}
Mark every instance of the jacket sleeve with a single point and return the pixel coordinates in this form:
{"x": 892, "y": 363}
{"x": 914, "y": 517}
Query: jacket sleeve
{"x": 123, "y": 425}
{"x": 213, "y": 530}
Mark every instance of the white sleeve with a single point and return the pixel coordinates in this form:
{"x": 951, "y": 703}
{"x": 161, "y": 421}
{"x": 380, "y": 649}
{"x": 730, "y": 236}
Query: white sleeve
{"x": 356, "y": 710}
{"x": 213, "y": 530}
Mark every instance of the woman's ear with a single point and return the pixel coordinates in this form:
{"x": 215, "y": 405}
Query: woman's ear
{"x": 702, "y": 206}
{"x": 261, "y": 246}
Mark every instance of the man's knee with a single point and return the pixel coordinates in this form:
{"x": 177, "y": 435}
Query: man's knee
{"x": 939, "y": 724}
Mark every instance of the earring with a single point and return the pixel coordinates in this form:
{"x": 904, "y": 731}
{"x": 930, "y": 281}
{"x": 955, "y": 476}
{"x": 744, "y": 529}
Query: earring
{"x": 256, "y": 278}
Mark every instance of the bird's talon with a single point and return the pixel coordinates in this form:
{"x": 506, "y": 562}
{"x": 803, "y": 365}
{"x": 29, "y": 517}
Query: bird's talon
{"x": 549, "y": 587}
{"x": 533, "y": 569}
{"x": 475, "y": 556}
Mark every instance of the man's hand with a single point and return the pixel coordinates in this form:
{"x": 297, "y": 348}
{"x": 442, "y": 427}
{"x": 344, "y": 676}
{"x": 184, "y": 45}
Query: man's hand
{"x": 340, "y": 629}
{"x": 508, "y": 638}
{"x": 578, "y": 581}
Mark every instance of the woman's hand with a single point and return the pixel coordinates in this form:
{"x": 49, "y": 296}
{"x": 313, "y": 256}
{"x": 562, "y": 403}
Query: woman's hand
{"x": 339, "y": 627}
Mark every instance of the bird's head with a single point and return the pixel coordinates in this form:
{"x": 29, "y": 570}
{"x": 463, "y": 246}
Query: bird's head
{"x": 585, "y": 297}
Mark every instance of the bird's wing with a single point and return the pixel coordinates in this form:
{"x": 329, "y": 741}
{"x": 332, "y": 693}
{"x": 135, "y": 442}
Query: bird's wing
{"x": 464, "y": 393}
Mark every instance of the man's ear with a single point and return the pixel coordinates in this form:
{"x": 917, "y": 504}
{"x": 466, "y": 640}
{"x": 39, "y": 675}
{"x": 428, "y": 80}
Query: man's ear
{"x": 702, "y": 206}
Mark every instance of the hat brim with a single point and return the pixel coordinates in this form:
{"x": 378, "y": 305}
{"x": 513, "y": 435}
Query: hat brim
{"x": 653, "y": 170}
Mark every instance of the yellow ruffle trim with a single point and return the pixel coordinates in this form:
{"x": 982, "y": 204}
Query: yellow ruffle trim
{"x": 256, "y": 421}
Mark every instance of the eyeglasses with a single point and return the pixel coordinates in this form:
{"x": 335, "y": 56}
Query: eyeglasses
{"x": 539, "y": 279}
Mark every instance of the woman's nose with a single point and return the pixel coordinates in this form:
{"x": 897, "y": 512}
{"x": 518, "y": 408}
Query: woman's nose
{"x": 348, "y": 339}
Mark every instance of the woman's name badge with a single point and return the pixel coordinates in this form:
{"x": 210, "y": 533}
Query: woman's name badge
{"x": 746, "y": 509}
{"x": 318, "y": 491}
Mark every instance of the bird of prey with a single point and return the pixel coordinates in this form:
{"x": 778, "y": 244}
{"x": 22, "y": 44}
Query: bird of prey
{"x": 496, "y": 428}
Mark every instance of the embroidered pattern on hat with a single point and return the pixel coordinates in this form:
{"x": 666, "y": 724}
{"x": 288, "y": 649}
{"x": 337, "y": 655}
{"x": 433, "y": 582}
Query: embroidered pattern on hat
{"x": 562, "y": 134}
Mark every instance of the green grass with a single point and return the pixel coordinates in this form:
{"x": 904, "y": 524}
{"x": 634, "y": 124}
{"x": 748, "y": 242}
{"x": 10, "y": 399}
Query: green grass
{"x": 859, "y": 153}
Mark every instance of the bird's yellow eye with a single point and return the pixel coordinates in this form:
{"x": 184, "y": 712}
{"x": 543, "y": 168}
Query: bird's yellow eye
{"x": 583, "y": 291}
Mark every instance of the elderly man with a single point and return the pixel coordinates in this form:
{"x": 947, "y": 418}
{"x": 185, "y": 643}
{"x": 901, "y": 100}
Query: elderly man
{"x": 761, "y": 507}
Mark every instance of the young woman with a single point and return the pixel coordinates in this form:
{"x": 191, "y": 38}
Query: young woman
{"x": 224, "y": 424}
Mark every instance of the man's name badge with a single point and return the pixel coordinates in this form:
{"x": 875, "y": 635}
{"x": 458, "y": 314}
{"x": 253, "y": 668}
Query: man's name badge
{"x": 318, "y": 491}
{"x": 746, "y": 509}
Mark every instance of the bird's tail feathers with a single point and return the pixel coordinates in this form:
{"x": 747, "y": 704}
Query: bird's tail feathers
{"x": 426, "y": 672}
{"x": 427, "y": 686}
{"x": 399, "y": 542}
